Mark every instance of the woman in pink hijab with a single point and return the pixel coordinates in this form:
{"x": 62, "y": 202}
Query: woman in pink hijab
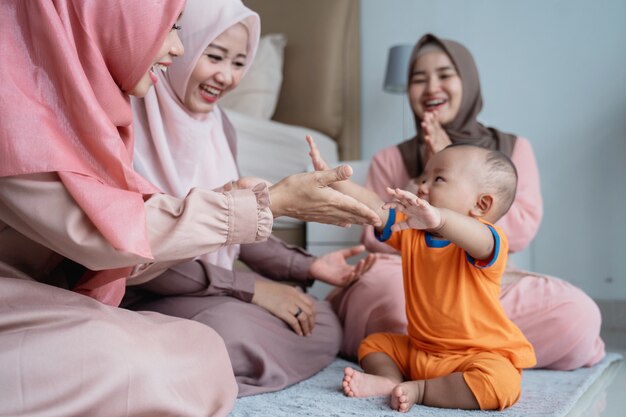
{"x": 276, "y": 335}
{"x": 561, "y": 321}
{"x": 77, "y": 222}
{"x": 68, "y": 191}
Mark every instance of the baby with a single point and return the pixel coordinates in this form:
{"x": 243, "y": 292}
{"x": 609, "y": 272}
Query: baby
{"x": 461, "y": 350}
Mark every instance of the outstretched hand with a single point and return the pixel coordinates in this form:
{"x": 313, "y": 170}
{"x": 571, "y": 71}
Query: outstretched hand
{"x": 420, "y": 214}
{"x": 309, "y": 197}
{"x": 333, "y": 269}
{"x": 435, "y": 137}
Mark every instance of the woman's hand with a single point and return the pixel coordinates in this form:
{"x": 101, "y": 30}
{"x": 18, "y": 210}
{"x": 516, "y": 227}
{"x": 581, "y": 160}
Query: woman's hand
{"x": 287, "y": 303}
{"x": 245, "y": 183}
{"x": 333, "y": 269}
{"x": 250, "y": 182}
{"x": 309, "y": 197}
{"x": 319, "y": 164}
{"x": 435, "y": 137}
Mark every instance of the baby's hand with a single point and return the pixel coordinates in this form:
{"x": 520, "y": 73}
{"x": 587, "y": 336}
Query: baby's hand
{"x": 316, "y": 158}
{"x": 420, "y": 214}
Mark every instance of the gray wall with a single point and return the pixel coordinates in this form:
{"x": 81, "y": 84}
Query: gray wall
{"x": 551, "y": 71}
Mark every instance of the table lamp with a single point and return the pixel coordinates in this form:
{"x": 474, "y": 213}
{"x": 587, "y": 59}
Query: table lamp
{"x": 396, "y": 76}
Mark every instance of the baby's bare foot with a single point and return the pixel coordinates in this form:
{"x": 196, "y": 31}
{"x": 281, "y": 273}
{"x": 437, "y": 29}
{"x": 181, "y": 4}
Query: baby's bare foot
{"x": 359, "y": 384}
{"x": 403, "y": 396}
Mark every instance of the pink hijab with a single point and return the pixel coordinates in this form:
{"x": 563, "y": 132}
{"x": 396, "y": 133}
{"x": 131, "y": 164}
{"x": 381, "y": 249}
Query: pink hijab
{"x": 63, "y": 109}
{"x": 175, "y": 149}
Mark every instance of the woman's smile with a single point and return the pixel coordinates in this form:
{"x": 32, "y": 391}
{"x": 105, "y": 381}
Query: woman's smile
{"x": 434, "y": 104}
{"x": 209, "y": 93}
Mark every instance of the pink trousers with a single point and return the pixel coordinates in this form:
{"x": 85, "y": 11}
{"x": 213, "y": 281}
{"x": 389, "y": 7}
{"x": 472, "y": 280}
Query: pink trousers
{"x": 64, "y": 354}
{"x": 560, "y": 321}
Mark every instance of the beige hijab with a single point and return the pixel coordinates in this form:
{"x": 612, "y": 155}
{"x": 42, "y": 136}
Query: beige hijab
{"x": 464, "y": 128}
{"x": 178, "y": 150}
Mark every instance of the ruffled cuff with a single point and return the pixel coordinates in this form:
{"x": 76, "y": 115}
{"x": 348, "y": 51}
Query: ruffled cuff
{"x": 242, "y": 227}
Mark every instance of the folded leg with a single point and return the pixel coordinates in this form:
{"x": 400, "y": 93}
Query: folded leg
{"x": 64, "y": 354}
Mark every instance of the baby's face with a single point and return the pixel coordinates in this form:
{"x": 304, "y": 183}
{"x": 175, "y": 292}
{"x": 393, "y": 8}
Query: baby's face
{"x": 451, "y": 179}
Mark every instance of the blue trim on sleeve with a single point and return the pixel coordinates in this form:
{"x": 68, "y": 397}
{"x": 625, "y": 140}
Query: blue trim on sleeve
{"x": 386, "y": 233}
{"x": 431, "y": 242}
{"x": 496, "y": 250}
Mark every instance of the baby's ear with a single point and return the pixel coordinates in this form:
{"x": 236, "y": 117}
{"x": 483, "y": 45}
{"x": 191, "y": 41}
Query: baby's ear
{"x": 484, "y": 205}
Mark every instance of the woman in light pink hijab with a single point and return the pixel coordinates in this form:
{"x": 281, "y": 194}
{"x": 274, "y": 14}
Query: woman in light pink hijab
{"x": 183, "y": 140}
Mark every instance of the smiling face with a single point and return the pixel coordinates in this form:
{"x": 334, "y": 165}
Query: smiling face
{"x": 452, "y": 179}
{"x": 218, "y": 70}
{"x": 172, "y": 46}
{"x": 435, "y": 86}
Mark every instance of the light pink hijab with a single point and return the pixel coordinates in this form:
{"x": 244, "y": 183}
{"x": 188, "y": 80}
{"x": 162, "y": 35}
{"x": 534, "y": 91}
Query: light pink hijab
{"x": 65, "y": 67}
{"x": 175, "y": 149}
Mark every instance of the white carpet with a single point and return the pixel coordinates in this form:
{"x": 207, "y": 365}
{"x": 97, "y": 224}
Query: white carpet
{"x": 544, "y": 394}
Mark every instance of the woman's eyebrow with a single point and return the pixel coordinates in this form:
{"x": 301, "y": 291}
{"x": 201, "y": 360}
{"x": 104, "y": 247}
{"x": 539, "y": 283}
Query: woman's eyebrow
{"x": 225, "y": 50}
{"x": 444, "y": 68}
{"x": 221, "y": 48}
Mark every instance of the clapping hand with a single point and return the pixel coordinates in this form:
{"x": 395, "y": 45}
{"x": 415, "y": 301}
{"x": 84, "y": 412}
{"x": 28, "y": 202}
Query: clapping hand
{"x": 308, "y": 196}
{"x": 333, "y": 269}
{"x": 435, "y": 137}
{"x": 420, "y": 214}
{"x": 312, "y": 196}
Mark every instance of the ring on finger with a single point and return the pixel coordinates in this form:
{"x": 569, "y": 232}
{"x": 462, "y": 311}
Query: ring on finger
{"x": 298, "y": 312}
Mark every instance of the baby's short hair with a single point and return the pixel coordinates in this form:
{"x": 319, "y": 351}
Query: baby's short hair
{"x": 500, "y": 178}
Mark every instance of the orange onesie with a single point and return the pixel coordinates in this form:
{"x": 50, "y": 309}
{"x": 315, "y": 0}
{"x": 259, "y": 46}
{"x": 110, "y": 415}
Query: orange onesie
{"x": 456, "y": 323}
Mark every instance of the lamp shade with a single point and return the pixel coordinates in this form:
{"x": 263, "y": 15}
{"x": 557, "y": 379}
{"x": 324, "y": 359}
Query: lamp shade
{"x": 397, "y": 73}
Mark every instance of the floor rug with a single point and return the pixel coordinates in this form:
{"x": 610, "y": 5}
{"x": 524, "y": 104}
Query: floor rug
{"x": 544, "y": 394}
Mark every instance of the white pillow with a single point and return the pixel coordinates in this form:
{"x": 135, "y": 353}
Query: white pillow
{"x": 257, "y": 93}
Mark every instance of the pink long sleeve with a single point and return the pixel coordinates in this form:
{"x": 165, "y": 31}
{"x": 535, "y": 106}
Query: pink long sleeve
{"x": 37, "y": 208}
{"x": 522, "y": 221}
